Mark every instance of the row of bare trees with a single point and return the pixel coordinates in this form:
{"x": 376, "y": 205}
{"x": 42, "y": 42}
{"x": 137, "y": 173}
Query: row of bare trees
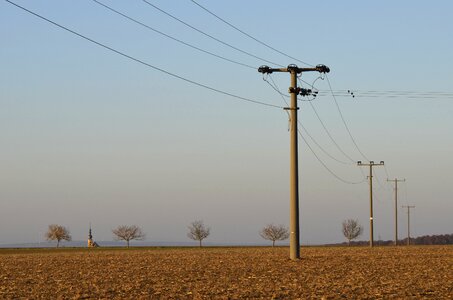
{"x": 198, "y": 231}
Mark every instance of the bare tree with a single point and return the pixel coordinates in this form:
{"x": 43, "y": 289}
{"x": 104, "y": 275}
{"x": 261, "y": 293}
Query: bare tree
{"x": 128, "y": 233}
{"x": 274, "y": 233}
{"x": 351, "y": 229}
{"x": 198, "y": 231}
{"x": 57, "y": 233}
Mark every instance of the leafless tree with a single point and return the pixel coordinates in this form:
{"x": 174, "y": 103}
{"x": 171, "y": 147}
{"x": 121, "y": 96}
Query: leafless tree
{"x": 198, "y": 231}
{"x": 351, "y": 229}
{"x": 128, "y": 233}
{"x": 57, "y": 233}
{"x": 274, "y": 233}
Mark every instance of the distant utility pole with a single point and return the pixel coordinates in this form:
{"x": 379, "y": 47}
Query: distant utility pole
{"x": 370, "y": 177}
{"x": 396, "y": 205}
{"x": 408, "y": 222}
{"x": 294, "y": 90}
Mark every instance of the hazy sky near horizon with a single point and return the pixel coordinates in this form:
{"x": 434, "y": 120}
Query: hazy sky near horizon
{"x": 88, "y": 135}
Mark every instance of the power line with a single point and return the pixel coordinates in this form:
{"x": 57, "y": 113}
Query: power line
{"x": 325, "y": 166}
{"x": 142, "y": 62}
{"x": 344, "y": 121}
{"x": 325, "y": 127}
{"x": 248, "y": 35}
{"x": 330, "y": 136}
{"x": 275, "y": 87}
{"x": 386, "y": 171}
{"x": 389, "y": 94}
{"x": 379, "y": 182}
{"x": 171, "y": 37}
{"x": 208, "y": 35}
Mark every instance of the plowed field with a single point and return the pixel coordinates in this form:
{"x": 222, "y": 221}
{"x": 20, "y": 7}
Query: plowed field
{"x": 228, "y": 273}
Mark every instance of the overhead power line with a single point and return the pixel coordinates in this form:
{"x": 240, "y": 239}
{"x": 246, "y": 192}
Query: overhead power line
{"x": 344, "y": 121}
{"x": 173, "y": 38}
{"x": 277, "y": 89}
{"x": 249, "y": 35}
{"x": 351, "y": 161}
{"x": 389, "y": 94}
{"x": 325, "y": 166}
{"x": 143, "y": 62}
{"x": 208, "y": 35}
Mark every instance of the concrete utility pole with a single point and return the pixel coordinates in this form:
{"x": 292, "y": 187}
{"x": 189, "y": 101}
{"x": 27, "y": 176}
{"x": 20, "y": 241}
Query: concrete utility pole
{"x": 396, "y": 205}
{"x": 408, "y": 222}
{"x": 294, "y": 240}
{"x": 370, "y": 177}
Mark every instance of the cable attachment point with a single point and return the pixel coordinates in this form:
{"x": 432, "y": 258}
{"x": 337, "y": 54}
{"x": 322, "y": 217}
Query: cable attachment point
{"x": 294, "y": 90}
{"x": 305, "y": 92}
{"x": 292, "y": 67}
{"x": 322, "y": 69}
{"x": 265, "y": 70}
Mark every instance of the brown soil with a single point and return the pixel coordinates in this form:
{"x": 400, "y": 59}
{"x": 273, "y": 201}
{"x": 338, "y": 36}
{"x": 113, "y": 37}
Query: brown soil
{"x": 424, "y": 272}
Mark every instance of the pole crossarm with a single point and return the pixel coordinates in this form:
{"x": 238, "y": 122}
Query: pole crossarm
{"x": 294, "y": 68}
{"x": 371, "y": 164}
{"x": 294, "y": 91}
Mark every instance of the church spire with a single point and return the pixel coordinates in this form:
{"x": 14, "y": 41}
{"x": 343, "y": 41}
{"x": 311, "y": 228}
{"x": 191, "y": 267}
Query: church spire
{"x": 90, "y": 236}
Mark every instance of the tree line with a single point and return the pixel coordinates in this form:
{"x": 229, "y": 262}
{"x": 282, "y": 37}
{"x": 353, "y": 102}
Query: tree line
{"x": 197, "y": 231}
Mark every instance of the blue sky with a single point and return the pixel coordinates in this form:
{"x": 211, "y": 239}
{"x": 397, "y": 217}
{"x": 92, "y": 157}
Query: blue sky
{"x": 90, "y": 136}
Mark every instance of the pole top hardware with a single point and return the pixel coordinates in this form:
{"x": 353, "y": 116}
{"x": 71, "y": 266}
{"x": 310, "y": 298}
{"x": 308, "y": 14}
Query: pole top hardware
{"x": 372, "y": 163}
{"x": 265, "y": 69}
{"x": 294, "y": 90}
{"x": 306, "y": 92}
{"x": 322, "y": 69}
{"x": 292, "y": 68}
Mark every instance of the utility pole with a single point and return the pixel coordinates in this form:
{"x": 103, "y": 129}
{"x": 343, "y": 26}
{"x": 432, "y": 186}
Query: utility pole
{"x": 294, "y": 90}
{"x": 396, "y": 205}
{"x": 408, "y": 222}
{"x": 370, "y": 177}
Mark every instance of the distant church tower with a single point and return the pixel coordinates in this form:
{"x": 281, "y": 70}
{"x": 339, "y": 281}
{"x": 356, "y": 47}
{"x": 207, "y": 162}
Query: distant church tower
{"x": 91, "y": 243}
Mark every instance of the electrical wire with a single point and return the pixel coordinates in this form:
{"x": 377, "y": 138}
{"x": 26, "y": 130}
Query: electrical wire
{"x": 308, "y": 145}
{"x": 381, "y": 186}
{"x": 210, "y": 36}
{"x": 389, "y": 94}
{"x": 386, "y": 172}
{"x": 276, "y": 88}
{"x": 319, "y": 146}
{"x": 351, "y": 161}
{"x": 142, "y": 62}
{"x": 344, "y": 121}
{"x": 171, "y": 37}
{"x": 325, "y": 166}
{"x": 393, "y": 92}
{"x": 249, "y": 35}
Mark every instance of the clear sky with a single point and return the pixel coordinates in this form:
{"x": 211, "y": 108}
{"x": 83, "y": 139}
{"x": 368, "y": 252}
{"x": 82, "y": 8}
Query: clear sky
{"x": 88, "y": 135}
